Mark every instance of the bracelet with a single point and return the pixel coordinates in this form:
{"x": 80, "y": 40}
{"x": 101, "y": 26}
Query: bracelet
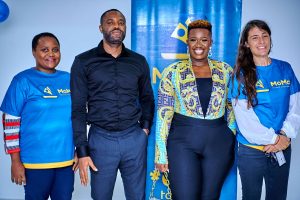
{"x": 284, "y": 134}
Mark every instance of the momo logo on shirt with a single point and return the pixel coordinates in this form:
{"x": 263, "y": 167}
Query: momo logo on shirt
{"x": 64, "y": 91}
{"x": 260, "y": 84}
{"x": 280, "y": 83}
{"x": 260, "y": 87}
{"x": 48, "y": 93}
{"x": 47, "y": 90}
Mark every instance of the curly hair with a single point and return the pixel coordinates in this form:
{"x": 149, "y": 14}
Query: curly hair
{"x": 245, "y": 69}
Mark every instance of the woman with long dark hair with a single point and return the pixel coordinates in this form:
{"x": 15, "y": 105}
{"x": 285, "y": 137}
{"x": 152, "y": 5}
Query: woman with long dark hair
{"x": 265, "y": 95}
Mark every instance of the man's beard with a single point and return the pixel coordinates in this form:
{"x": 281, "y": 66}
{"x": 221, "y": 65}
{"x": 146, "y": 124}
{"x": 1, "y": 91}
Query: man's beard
{"x": 110, "y": 39}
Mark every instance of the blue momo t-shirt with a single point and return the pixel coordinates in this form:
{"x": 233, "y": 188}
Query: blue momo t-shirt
{"x": 43, "y": 102}
{"x": 278, "y": 93}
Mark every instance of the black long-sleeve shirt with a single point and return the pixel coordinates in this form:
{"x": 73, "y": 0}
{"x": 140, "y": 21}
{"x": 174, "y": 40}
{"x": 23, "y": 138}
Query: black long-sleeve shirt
{"x": 112, "y": 93}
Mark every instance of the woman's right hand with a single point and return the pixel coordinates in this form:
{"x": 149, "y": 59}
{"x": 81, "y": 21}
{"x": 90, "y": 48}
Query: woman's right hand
{"x": 17, "y": 170}
{"x": 162, "y": 167}
{"x": 282, "y": 142}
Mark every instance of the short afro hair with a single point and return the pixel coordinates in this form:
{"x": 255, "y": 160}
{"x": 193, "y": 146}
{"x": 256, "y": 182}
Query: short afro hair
{"x": 201, "y": 23}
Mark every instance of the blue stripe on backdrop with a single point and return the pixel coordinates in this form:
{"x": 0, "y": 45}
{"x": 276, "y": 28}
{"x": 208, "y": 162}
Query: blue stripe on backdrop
{"x": 159, "y": 32}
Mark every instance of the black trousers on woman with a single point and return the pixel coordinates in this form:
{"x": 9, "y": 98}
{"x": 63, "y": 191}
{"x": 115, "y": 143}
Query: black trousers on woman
{"x": 200, "y": 154}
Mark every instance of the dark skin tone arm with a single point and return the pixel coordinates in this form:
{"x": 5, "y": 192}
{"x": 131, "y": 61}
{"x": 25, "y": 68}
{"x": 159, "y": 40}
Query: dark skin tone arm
{"x": 17, "y": 169}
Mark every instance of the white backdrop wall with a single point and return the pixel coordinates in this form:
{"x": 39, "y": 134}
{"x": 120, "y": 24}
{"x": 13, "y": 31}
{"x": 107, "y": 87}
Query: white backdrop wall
{"x": 75, "y": 23}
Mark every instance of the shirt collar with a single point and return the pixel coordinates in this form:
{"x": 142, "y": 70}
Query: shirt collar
{"x": 102, "y": 52}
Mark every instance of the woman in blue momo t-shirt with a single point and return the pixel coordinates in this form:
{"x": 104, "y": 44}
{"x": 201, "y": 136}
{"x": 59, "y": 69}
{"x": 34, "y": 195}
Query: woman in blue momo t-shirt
{"x": 265, "y": 95}
{"x": 37, "y": 125}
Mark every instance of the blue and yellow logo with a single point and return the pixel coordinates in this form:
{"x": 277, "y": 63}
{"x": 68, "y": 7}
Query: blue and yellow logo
{"x": 49, "y": 94}
{"x": 180, "y": 32}
{"x": 260, "y": 87}
{"x": 64, "y": 91}
{"x": 280, "y": 83}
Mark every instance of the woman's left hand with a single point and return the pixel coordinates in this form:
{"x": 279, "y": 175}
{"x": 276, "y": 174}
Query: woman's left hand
{"x": 270, "y": 148}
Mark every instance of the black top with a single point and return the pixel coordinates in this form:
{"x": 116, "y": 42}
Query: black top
{"x": 112, "y": 93}
{"x": 204, "y": 86}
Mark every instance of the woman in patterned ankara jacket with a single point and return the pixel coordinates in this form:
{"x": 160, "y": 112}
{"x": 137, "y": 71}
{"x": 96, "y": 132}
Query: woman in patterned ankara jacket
{"x": 194, "y": 141}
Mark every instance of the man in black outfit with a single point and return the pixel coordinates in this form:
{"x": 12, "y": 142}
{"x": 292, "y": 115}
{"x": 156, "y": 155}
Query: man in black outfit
{"x": 111, "y": 91}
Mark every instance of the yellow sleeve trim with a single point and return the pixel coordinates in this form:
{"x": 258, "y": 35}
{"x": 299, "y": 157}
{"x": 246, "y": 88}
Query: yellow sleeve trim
{"x": 261, "y": 148}
{"x": 48, "y": 165}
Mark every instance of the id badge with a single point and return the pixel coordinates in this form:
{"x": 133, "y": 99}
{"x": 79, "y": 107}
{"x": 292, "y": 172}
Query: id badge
{"x": 280, "y": 158}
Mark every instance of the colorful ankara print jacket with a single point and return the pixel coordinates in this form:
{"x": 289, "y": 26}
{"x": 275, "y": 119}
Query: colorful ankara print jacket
{"x": 177, "y": 93}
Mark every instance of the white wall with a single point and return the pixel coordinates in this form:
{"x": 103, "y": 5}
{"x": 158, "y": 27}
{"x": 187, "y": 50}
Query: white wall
{"x": 76, "y": 23}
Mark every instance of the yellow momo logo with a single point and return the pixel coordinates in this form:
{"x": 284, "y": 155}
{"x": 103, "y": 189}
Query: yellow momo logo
{"x": 63, "y": 91}
{"x": 49, "y": 95}
{"x": 283, "y": 83}
{"x": 171, "y": 56}
{"x": 183, "y": 38}
{"x": 260, "y": 87}
{"x": 259, "y": 84}
{"x": 48, "y": 91}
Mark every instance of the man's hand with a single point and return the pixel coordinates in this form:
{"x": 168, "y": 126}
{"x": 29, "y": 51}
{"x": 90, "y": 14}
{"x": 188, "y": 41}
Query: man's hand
{"x": 83, "y": 164}
{"x": 146, "y": 131}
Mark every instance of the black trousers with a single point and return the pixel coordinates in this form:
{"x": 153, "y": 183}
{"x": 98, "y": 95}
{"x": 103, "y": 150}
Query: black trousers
{"x": 200, "y": 154}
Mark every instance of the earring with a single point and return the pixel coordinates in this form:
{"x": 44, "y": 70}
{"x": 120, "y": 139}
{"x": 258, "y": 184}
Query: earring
{"x": 209, "y": 53}
{"x": 188, "y": 53}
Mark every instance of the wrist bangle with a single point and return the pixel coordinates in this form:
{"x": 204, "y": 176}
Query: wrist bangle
{"x": 284, "y": 134}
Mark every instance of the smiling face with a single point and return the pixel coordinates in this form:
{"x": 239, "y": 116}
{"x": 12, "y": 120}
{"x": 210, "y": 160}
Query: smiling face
{"x": 47, "y": 54}
{"x": 113, "y": 27}
{"x": 199, "y": 41}
{"x": 259, "y": 42}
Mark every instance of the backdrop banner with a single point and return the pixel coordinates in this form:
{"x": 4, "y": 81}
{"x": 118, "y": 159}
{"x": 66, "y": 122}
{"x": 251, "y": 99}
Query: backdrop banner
{"x": 159, "y": 32}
